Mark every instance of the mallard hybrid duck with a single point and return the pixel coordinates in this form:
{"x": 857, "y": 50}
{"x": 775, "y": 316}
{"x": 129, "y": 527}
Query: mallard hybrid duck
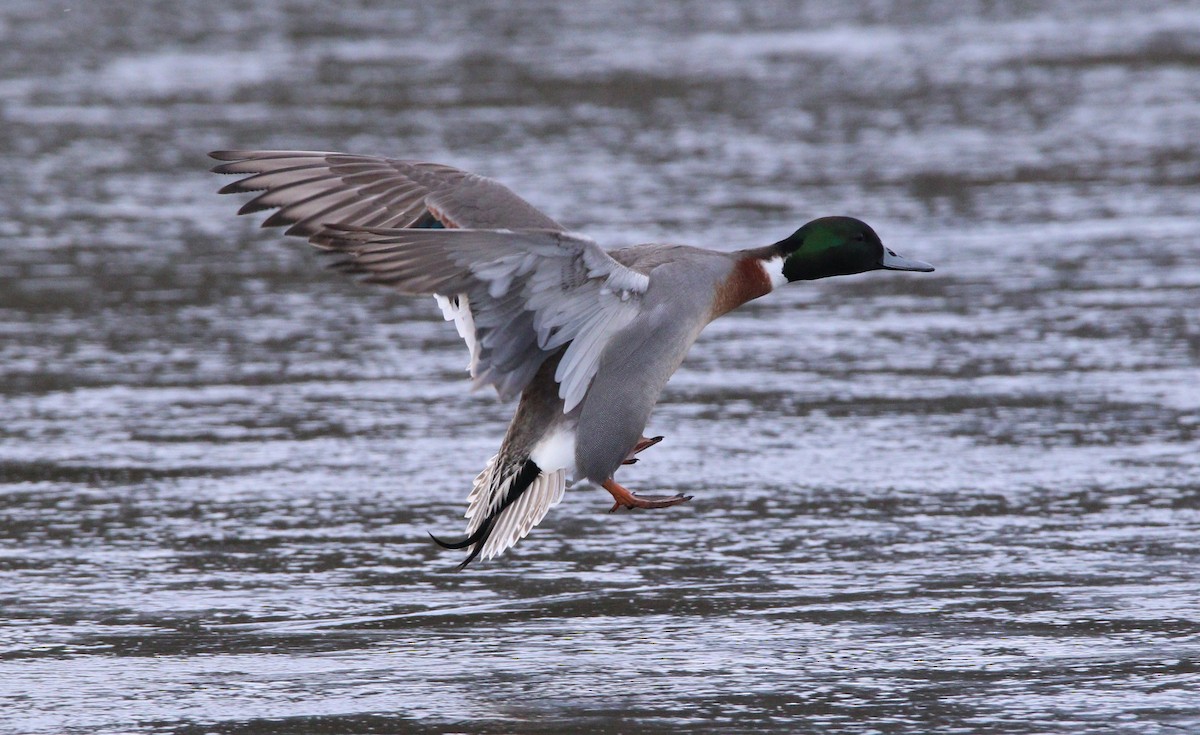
{"x": 586, "y": 337}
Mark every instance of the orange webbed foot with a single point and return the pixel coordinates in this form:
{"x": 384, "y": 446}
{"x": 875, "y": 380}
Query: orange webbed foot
{"x": 626, "y": 499}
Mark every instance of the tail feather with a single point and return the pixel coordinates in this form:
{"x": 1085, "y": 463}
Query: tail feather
{"x": 515, "y": 523}
{"x": 478, "y": 538}
{"x": 460, "y": 544}
{"x": 506, "y": 502}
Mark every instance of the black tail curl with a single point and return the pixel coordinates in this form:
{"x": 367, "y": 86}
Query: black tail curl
{"x": 525, "y": 477}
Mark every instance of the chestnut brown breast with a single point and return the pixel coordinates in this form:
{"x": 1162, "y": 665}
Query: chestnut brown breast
{"x": 748, "y": 281}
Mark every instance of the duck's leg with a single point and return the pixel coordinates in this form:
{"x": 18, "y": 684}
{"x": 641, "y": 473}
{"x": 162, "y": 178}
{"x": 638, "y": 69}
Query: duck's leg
{"x": 626, "y": 499}
{"x": 643, "y": 443}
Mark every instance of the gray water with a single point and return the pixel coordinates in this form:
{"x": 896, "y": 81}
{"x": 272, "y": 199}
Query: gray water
{"x": 967, "y": 501}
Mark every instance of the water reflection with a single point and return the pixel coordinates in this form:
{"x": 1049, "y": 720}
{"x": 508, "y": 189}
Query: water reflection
{"x": 967, "y": 501}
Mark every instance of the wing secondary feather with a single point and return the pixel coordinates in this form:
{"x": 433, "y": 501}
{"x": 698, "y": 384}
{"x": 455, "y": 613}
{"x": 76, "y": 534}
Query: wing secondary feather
{"x": 530, "y": 293}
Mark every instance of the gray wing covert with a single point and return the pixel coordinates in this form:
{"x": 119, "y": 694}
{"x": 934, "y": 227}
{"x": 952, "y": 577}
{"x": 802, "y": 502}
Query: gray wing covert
{"x": 530, "y": 293}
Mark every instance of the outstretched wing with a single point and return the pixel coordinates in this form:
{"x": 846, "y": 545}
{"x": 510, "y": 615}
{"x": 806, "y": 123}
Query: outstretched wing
{"x": 516, "y": 285}
{"x": 530, "y": 293}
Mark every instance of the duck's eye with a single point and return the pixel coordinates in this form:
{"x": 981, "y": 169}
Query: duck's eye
{"x": 860, "y": 237}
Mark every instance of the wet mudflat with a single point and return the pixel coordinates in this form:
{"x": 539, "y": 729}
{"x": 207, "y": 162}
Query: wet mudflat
{"x": 967, "y": 501}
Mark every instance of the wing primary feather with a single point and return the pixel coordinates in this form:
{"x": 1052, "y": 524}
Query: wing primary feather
{"x": 282, "y": 195}
{"x": 266, "y": 179}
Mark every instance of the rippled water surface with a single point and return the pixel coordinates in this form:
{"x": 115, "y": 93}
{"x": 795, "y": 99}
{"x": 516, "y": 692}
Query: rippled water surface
{"x": 967, "y": 501}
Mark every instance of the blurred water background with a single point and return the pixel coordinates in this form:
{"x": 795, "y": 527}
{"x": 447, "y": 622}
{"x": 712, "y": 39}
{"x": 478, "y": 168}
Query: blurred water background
{"x": 960, "y": 502}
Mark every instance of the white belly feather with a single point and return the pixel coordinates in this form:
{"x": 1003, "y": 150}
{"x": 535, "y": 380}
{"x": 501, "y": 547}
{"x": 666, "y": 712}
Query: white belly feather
{"x": 556, "y": 451}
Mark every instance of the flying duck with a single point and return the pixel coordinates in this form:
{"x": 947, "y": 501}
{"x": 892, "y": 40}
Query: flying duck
{"x": 585, "y": 337}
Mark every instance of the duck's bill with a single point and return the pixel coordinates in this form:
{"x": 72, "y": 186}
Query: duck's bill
{"x": 894, "y": 262}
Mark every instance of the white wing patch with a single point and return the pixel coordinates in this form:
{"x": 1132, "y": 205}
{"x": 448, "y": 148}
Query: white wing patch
{"x": 457, "y": 309}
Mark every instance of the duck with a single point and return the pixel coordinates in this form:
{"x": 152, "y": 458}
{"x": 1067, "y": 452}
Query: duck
{"x": 584, "y": 339}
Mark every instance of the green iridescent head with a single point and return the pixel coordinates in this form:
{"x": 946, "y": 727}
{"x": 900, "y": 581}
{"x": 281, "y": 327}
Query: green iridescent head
{"x": 839, "y": 246}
